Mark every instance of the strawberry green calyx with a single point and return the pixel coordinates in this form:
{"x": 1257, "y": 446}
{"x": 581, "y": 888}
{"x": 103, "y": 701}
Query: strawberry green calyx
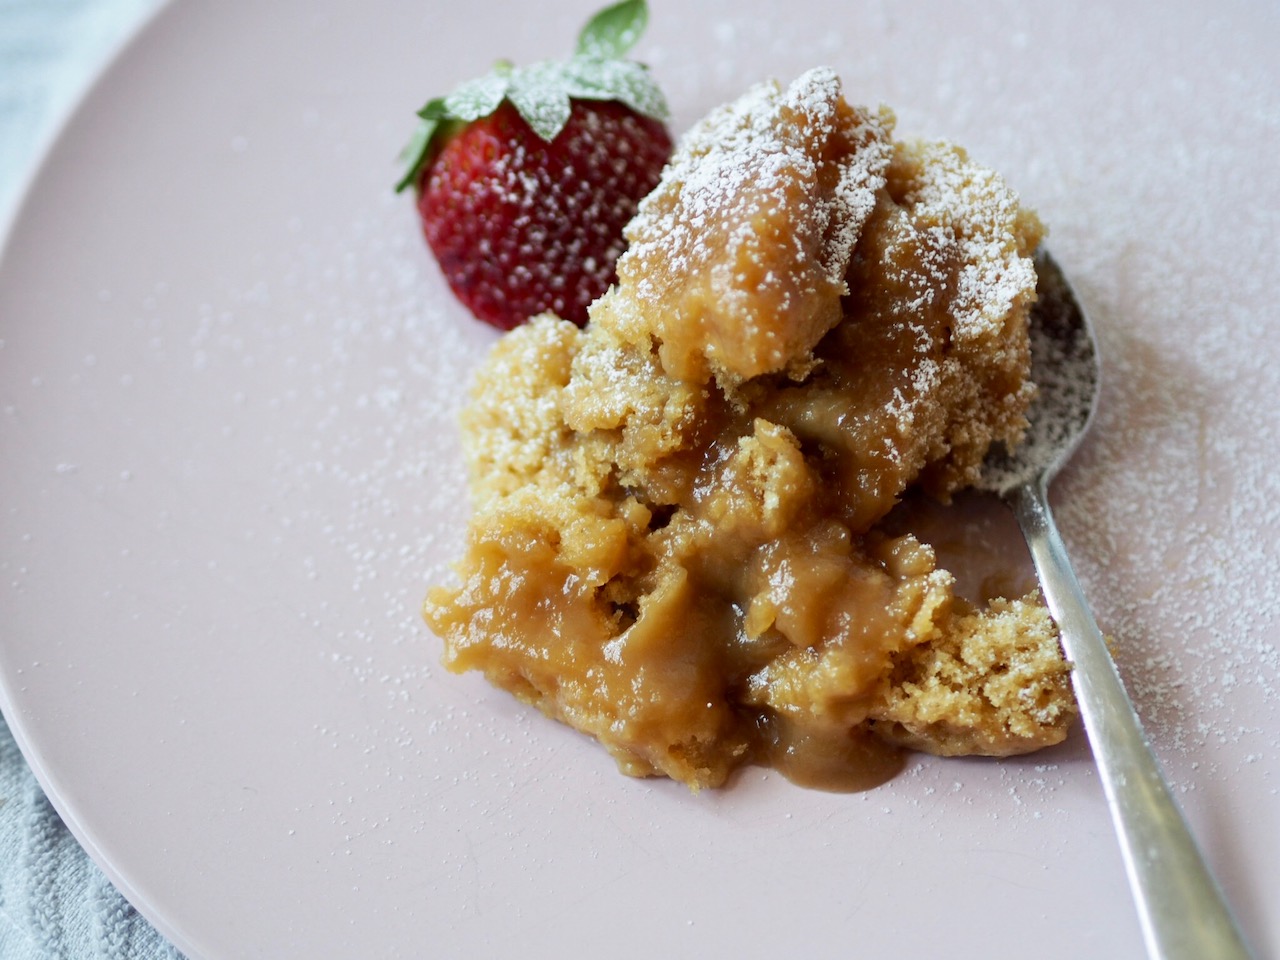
{"x": 542, "y": 92}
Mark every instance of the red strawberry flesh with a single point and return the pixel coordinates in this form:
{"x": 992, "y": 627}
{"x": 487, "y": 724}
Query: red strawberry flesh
{"x": 521, "y": 226}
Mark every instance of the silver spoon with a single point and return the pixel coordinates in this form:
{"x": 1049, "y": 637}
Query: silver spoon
{"x": 1183, "y": 913}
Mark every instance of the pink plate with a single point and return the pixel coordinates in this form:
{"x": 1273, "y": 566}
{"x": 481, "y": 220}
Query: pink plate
{"x": 228, "y": 380}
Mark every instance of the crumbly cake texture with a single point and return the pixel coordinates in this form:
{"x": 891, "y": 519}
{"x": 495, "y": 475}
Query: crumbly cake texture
{"x": 674, "y": 546}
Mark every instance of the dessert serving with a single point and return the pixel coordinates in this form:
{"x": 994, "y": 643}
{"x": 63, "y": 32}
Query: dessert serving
{"x": 677, "y": 541}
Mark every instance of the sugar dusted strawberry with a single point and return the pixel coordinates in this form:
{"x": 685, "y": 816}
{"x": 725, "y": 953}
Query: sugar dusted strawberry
{"x": 520, "y": 226}
{"x": 527, "y": 176}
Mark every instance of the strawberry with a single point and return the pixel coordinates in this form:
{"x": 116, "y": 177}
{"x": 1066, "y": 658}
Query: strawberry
{"x": 526, "y": 177}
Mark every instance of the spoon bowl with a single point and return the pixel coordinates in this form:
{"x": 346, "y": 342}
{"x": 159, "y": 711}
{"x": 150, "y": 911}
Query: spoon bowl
{"x": 1068, "y": 377}
{"x": 1182, "y": 911}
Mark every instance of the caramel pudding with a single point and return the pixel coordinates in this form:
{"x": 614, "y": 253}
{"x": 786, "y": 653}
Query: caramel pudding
{"x": 675, "y": 543}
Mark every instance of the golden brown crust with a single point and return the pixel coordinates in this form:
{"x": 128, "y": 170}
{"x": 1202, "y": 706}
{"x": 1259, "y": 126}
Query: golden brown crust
{"x": 993, "y": 686}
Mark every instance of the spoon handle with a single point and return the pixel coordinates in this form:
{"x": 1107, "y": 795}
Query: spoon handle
{"x": 1183, "y": 913}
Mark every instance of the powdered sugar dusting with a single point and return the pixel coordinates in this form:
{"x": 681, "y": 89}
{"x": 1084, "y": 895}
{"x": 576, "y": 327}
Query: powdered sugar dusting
{"x": 1064, "y": 366}
{"x": 741, "y": 144}
{"x": 974, "y": 206}
{"x": 740, "y": 251}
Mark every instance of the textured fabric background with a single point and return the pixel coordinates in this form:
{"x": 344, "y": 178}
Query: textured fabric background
{"x": 54, "y": 902}
{"x": 49, "y": 51}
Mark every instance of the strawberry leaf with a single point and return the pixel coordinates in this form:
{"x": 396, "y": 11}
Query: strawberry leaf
{"x": 541, "y": 96}
{"x": 587, "y": 78}
{"x": 614, "y": 30}
{"x": 434, "y": 110}
{"x": 417, "y": 150}
{"x": 542, "y": 93}
{"x": 480, "y": 97}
